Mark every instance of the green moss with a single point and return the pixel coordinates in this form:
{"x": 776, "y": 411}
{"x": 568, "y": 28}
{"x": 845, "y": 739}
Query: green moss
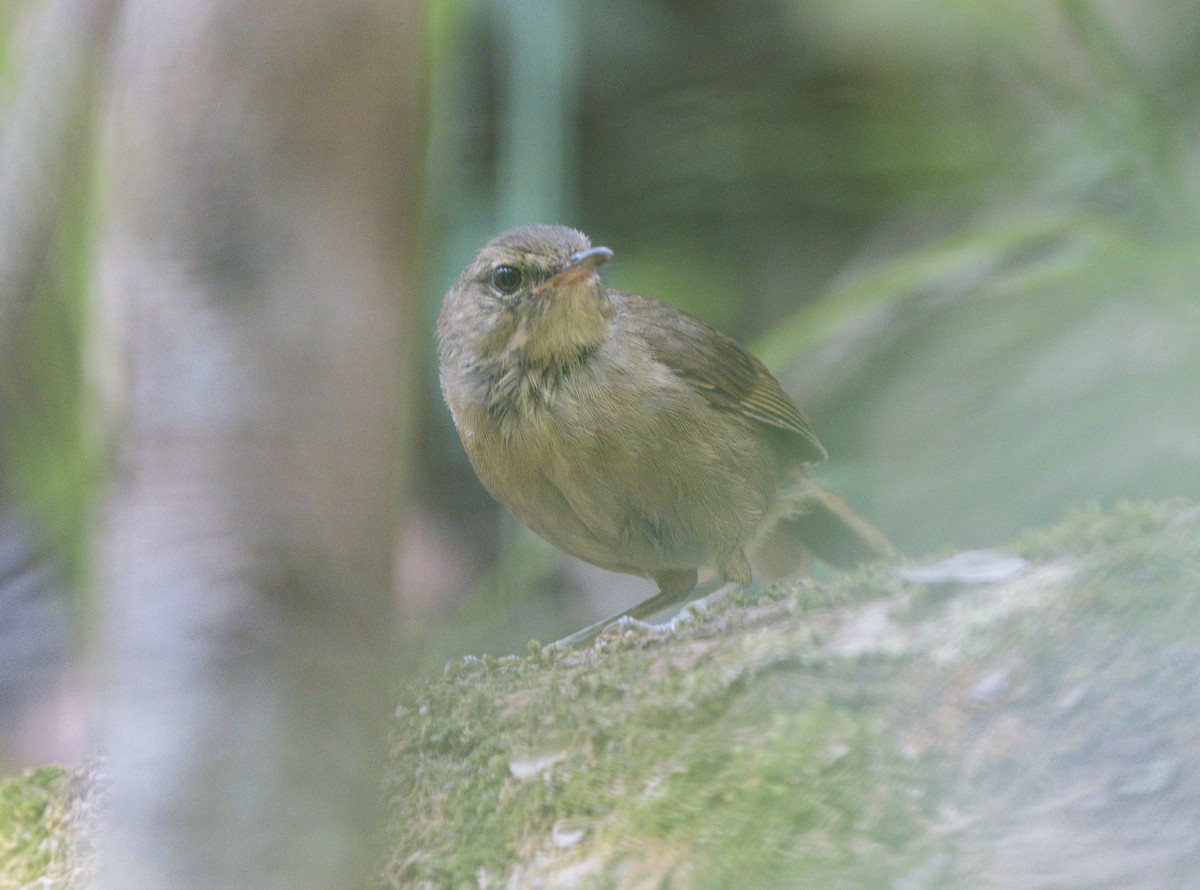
{"x": 640, "y": 748}
{"x": 1092, "y": 527}
{"x": 32, "y": 809}
{"x": 773, "y": 801}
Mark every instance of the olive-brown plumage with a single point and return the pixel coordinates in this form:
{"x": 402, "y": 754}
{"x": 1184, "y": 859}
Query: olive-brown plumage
{"x": 617, "y": 427}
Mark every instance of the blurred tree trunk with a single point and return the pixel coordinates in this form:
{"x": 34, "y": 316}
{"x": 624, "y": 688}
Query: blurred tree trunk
{"x": 256, "y": 278}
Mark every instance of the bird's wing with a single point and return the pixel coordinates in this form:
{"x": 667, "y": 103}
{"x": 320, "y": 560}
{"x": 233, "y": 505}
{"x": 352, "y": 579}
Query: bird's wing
{"x": 728, "y": 376}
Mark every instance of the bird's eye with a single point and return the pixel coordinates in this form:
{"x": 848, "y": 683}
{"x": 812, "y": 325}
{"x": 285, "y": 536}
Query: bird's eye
{"x": 507, "y": 278}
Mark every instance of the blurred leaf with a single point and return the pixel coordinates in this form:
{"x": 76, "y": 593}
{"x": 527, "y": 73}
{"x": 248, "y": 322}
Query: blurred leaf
{"x": 1026, "y": 246}
{"x": 990, "y": 405}
{"x": 49, "y": 454}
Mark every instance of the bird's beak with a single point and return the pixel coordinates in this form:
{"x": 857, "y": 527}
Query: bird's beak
{"x": 578, "y": 267}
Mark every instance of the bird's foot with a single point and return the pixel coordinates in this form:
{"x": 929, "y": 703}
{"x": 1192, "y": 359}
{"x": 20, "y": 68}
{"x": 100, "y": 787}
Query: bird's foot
{"x": 702, "y": 606}
{"x": 624, "y": 625}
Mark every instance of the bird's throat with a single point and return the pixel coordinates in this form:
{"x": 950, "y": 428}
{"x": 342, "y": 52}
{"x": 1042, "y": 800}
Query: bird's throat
{"x": 557, "y": 330}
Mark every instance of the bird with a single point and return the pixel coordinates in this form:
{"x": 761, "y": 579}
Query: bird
{"x": 625, "y": 431}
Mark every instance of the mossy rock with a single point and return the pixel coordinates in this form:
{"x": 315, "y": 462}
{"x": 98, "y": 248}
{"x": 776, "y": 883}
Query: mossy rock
{"x": 868, "y": 730}
{"x": 864, "y": 732}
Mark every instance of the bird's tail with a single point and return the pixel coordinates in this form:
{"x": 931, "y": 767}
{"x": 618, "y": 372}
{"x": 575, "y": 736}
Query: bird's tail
{"x": 813, "y": 522}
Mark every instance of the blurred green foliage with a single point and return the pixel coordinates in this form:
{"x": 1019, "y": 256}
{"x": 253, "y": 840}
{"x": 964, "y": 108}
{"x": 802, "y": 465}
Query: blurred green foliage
{"x": 961, "y": 231}
{"x": 48, "y": 464}
{"x": 48, "y": 453}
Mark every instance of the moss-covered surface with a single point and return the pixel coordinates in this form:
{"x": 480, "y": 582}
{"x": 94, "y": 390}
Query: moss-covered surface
{"x": 43, "y": 819}
{"x": 864, "y": 732}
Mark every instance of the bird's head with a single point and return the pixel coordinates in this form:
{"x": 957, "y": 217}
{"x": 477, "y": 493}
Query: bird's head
{"x": 533, "y": 293}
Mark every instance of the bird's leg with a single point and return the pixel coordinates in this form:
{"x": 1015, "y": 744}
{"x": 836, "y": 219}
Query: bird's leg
{"x": 736, "y": 578}
{"x": 674, "y": 587}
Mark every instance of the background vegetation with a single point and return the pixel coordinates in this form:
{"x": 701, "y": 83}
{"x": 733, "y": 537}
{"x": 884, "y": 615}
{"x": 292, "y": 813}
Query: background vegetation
{"x": 963, "y": 234}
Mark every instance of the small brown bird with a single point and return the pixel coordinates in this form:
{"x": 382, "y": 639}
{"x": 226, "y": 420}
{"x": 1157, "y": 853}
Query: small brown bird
{"x": 623, "y": 430}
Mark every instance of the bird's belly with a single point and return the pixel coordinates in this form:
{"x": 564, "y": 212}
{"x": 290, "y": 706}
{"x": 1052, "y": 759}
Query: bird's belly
{"x": 636, "y": 498}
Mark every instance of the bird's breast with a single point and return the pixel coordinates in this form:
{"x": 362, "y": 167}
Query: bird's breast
{"x": 612, "y": 464}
